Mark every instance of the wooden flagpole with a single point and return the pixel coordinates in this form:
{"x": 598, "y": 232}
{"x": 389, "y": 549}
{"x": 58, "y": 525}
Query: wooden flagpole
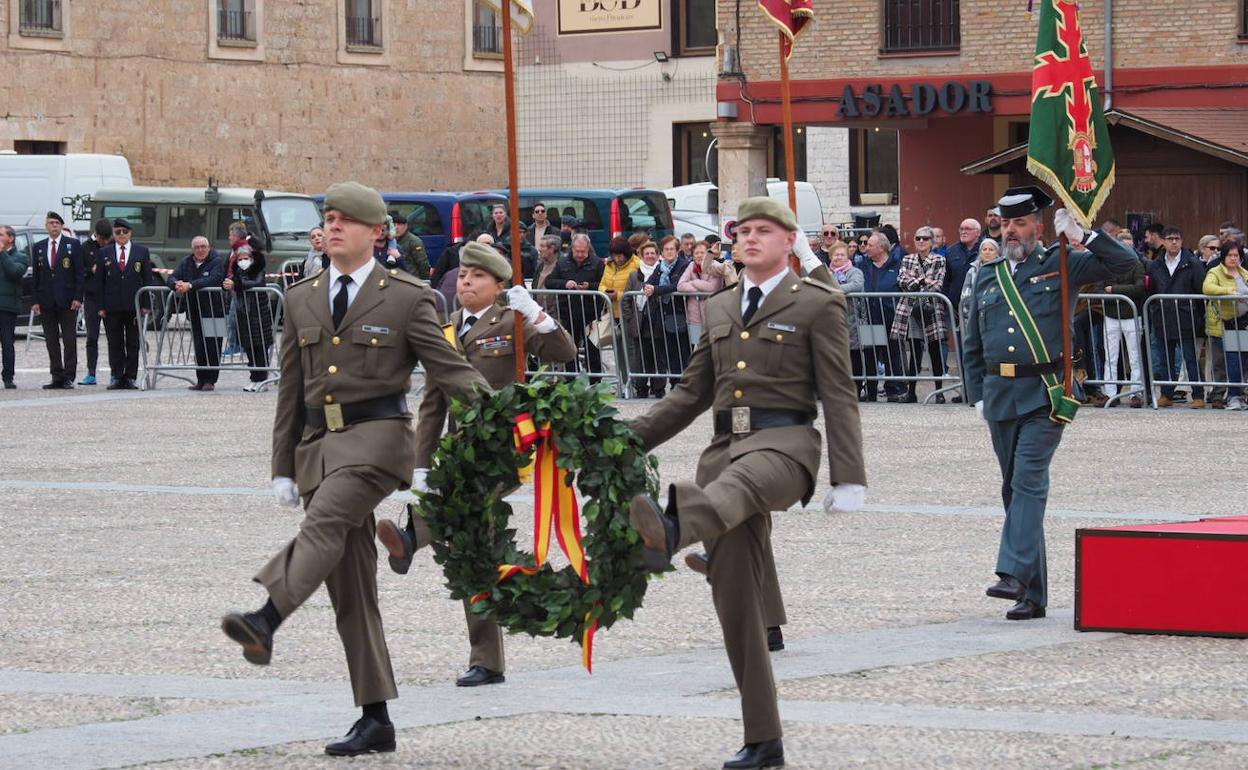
{"x": 786, "y": 110}
{"x": 1067, "y": 345}
{"x": 513, "y": 183}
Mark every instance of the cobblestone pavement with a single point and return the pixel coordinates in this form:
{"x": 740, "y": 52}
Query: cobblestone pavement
{"x": 133, "y": 520}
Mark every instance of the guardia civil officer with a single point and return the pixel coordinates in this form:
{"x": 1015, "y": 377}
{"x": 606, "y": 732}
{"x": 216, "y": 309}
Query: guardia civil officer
{"x": 484, "y": 331}
{"x": 121, "y": 269}
{"x": 58, "y": 268}
{"x": 1012, "y": 357}
{"x": 775, "y": 347}
{"x": 342, "y": 439}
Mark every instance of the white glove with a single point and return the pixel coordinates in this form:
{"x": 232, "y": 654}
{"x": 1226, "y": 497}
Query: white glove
{"x": 285, "y": 491}
{"x": 1065, "y": 224}
{"x": 979, "y": 410}
{"x": 802, "y": 249}
{"x": 420, "y": 480}
{"x": 844, "y": 498}
{"x": 522, "y": 302}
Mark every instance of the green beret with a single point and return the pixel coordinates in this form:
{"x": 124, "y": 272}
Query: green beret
{"x": 767, "y": 208}
{"x": 354, "y": 200}
{"x": 487, "y": 258}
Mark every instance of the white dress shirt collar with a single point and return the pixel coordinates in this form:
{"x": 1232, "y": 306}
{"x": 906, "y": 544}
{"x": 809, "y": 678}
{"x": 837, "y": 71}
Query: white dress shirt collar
{"x": 767, "y": 286}
{"x": 358, "y": 277}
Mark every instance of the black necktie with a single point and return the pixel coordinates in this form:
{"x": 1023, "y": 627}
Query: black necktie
{"x": 756, "y": 296}
{"x": 340, "y": 300}
{"x": 468, "y": 322}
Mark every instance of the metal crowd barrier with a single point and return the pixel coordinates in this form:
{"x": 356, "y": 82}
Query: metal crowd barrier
{"x": 893, "y": 361}
{"x": 658, "y": 340}
{"x": 1175, "y": 334}
{"x": 292, "y": 270}
{"x": 1109, "y": 331}
{"x": 209, "y": 330}
{"x": 586, "y": 315}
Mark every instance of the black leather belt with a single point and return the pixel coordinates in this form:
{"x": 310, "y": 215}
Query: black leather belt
{"x": 1025, "y": 370}
{"x": 743, "y": 419}
{"x": 336, "y": 417}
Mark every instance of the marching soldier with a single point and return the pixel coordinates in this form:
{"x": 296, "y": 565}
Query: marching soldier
{"x": 1012, "y": 342}
{"x": 484, "y": 330}
{"x": 58, "y": 290}
{"x": 342, "y": 439}
{"x": 775, "y": 347}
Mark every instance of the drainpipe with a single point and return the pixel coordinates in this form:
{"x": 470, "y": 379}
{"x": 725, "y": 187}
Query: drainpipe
{"x": 1109, "y": 55}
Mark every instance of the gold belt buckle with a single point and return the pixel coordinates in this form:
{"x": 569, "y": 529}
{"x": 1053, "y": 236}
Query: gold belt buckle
{"x": 1008, "y": 370}
{"x": 333, "y": 417}
{"x": 740, "y": 420}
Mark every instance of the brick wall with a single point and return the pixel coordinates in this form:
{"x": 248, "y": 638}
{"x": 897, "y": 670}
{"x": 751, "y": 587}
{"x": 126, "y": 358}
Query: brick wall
{"x": 137, "y": 81}
{"x": 997, "y": 36}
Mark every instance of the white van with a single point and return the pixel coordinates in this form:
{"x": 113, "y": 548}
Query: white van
{"x": 703, "y": 198}
{"x": 33, "y": 185}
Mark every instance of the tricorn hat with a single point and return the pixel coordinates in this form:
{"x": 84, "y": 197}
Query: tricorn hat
{"x": 1021, "y": 201}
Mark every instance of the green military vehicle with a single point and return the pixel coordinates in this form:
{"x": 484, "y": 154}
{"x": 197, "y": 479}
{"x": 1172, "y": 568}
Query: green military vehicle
{"x": 165, "y": 219}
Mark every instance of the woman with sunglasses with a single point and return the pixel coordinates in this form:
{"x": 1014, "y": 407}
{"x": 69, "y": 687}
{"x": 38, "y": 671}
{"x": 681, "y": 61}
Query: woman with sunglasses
{"x": 921, "y": 320}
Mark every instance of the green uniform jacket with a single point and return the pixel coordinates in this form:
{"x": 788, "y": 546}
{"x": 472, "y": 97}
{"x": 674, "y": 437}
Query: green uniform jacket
{"x": 413, "y": 250}
{"x": 794, "y": 354}
{"x": 490, "y": 348}
{"x": 390, "y": 327}
{"x": 13, "y": 266}
{"x": 991, "y": 336}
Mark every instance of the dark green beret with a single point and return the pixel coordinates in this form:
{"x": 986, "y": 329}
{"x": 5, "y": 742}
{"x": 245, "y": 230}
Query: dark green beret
{"x": 354, "y": 200}
{"x": 767, "y": 208}
{"x": 487, "y": 258}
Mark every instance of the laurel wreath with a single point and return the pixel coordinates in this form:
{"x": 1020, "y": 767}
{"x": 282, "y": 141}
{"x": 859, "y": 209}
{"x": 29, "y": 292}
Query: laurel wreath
{"x": 476, "y": 465}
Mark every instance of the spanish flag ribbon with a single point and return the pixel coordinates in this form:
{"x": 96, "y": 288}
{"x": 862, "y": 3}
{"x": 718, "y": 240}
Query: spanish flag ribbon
{"x": 554, "y": 509}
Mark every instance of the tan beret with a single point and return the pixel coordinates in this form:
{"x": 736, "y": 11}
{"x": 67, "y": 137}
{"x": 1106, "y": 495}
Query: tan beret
{"x": 354, "y": 200}
{"x": 767, "y": 208}
{"x": 487, "y": 258}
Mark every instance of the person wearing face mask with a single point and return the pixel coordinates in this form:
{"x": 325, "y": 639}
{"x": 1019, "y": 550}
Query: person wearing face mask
{"x": 121, "y": 269}
{"x": 1012, "y": 352}
{"x": 484, "y": 329}
{"x": 245, "y": 270}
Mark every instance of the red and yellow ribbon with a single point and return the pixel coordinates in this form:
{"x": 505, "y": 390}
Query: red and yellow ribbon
{"x": 554, "y": 508}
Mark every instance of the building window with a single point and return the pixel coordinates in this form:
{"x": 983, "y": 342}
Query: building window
{"x": 487, "y": 31}
{"x": 40, "y": 18}
{"x": 873, "y": 177}
{"x": 39, "y": 147}
{"x": 690, "y": 143}
{"x": 775, "y": 164}
{"x": 236, "y": 21}
{"x": 363, "y": 24}
{"x": 1243, "y": 20}
{"x": 695, "y": 28}
{"x": 921, "y": 26}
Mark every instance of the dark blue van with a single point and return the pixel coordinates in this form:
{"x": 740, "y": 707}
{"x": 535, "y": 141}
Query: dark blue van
{"x": 603, "y": 212}
{"x": 441, "y": 218}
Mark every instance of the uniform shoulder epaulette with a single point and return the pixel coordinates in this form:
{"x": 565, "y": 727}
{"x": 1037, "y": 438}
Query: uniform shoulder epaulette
{"x": 305, "y": 279}
{"x": 826, "y": 287}
{"x": 406, "y": 277}
{"x": 729, "y": 287}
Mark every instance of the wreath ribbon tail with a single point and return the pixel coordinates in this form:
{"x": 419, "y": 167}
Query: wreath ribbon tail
{"x": 587, "y": 641}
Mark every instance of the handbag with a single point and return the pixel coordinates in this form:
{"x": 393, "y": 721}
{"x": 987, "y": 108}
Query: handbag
{"x": 601, "y": 332}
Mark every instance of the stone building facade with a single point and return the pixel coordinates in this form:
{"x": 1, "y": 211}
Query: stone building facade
{"x": 263, "y": 93}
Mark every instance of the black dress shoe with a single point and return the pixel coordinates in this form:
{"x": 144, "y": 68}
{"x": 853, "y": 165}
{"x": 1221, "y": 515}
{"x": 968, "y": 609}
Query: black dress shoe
{"x": 67, "y": 385}
{"x": 116, "y": 386}
{"x": 54, "y": 385}
{"x": 1008, "y": 587}
{"x": 775, "y": 639}
{"x": 956, "y": 399}
{"x": 479, "y": 675}
{"x": 1025, "y": 610}
{"x": 697, "y": 562}
{"x": 757, "y": 755}
{"x": 366, "y": 736}
{"x": 939, "y": 399}
{"x": 399, "y": 543}
{"x": 659, "y": 531}
{"x": 252, "y": 631}
{"x": 10, "y": 385}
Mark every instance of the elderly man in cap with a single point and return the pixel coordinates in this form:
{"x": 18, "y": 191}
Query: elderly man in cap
{"x": 58, "y": 290}
{"x": 1012, "y": 354}
{"x": 343, "y": 442}
{"x": 776, "y": 346}
{"x": 484, "y": 330}
{"x": 121, "y": 269}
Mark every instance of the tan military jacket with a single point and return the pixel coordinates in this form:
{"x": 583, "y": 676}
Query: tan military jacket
{"x": 793, "y": 355}
{"x": 489, "y": 346}
{"x": 390, "y": 327}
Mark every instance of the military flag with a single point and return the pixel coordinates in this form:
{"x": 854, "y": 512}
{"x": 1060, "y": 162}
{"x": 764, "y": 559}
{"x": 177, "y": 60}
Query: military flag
{"x": 791, "y": 16}
{"x": 1068, "y": 147}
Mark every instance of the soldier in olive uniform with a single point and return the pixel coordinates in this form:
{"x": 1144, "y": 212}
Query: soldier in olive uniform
{"x": 484, "y": 331}
{"x": 412, "y": 247}
{"x": 1004, "y": 376}
{"x": 775, "y": 347}
{"x": 342, "y": 439}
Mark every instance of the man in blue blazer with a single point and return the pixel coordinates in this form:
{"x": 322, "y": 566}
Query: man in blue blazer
{"x": 58, "y": 268}
{"x": 122, "y": 268}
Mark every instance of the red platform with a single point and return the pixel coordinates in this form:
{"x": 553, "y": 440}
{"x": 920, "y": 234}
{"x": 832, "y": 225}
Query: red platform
{"x": 1179, "y": 578}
